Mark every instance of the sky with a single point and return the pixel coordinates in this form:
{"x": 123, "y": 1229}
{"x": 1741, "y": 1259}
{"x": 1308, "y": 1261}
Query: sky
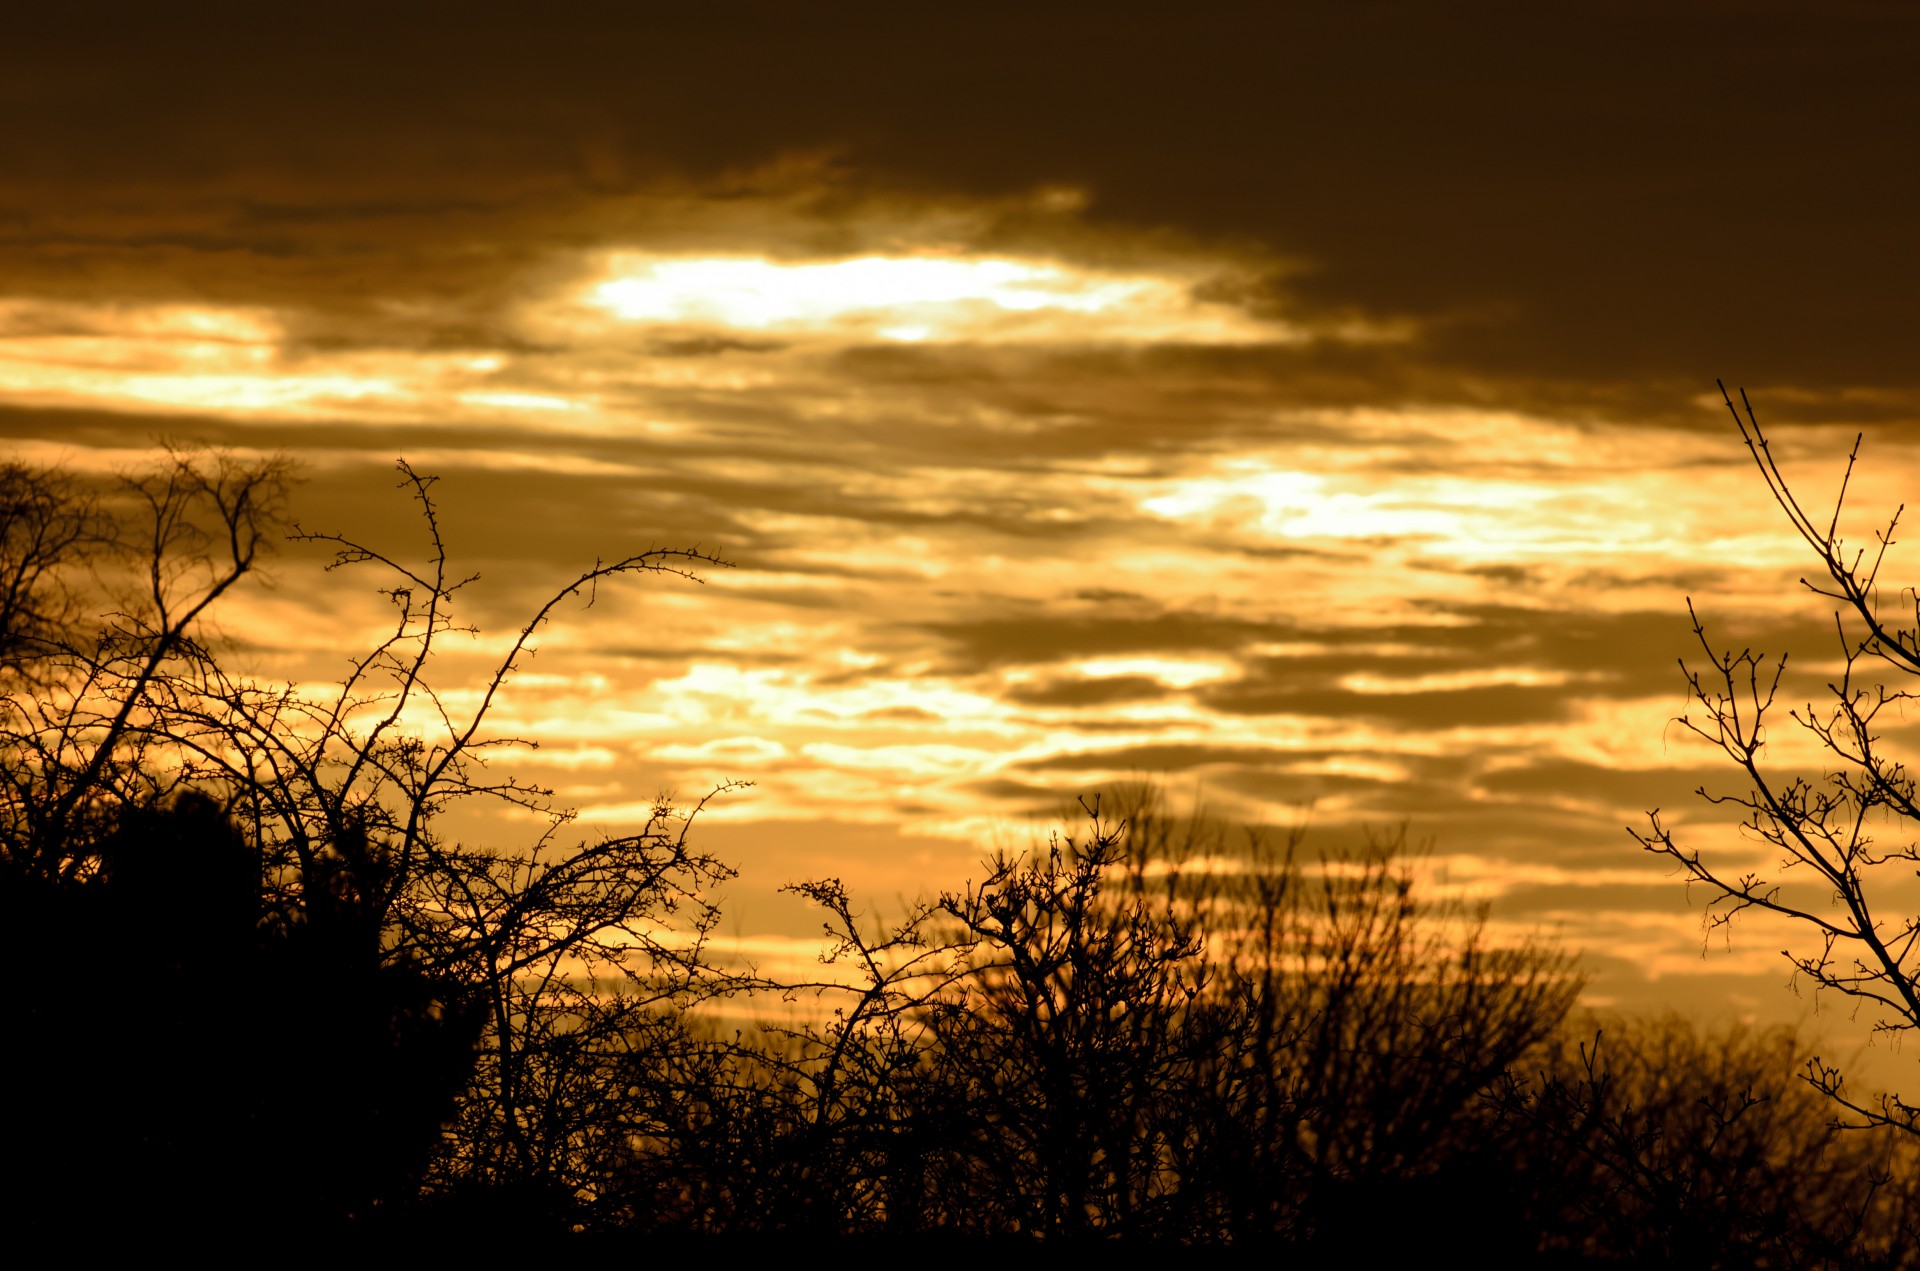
{"x": 1306, "y": 405}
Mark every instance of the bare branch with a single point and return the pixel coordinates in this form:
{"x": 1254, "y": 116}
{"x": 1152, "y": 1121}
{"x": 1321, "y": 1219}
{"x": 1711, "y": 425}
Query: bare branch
{"x": 1824, "y": 827}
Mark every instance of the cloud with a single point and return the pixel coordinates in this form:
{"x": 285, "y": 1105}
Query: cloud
{"x": 1587, "y": 239}
{"x": 1093, "y": 691}
{"x": 1160, "y": 758}
{"x": 981, "y": 643}
{"x": 1266, "y": 398}
{"x": 1457, "y": 708}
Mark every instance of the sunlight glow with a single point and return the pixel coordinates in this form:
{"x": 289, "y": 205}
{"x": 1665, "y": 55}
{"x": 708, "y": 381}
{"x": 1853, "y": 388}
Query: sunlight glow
{"x": 519, "y": 401}
{"x": 1455, "y": 681}
{"x": 761, "y": 293}
{"x": 1176, "y": 672}
{"x": 1307, "y": 505}
{"x": 914, "y": 299}
{"x": 235, "y": 361}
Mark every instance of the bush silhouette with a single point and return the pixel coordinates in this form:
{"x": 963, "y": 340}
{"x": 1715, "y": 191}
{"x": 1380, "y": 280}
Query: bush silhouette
{"x": 1653, "y": 1142}
{"x": 242, "y": 926}
{"x": 1097, "y": 1041}
{"x": 224, "y": 1059}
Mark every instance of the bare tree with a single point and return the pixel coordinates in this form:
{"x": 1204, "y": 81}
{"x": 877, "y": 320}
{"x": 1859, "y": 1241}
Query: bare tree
{"x": 565, "y": 943}
{"x": 78, "y": 735}
{"x": 1843, "y": 838}
{"x": 555, "y": 952}
{"x": 1142, "y": 1031}
{"x": 48, "y": 528}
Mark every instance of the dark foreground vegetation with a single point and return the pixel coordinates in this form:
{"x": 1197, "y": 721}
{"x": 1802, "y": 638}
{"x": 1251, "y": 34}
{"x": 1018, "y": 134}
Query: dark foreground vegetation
{"x": 260, "y": 997}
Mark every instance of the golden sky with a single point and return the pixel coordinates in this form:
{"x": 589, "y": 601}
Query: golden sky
{"x": 1311, "y": 404}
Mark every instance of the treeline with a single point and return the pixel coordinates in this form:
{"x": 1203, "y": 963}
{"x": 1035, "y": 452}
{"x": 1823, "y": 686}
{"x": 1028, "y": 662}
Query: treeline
{"x": 1168, "y": 1031}
{"x": 261, "y": 995}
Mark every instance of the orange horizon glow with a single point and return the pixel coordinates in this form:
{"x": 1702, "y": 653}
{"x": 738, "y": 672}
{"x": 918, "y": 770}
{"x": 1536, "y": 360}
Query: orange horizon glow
{"x": 997, "y": 542}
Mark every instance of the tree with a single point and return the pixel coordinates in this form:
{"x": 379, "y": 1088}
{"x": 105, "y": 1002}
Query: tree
{"x": 1145, "y": 1031}
{"x": 568, "y": 947}
{"x": 80, "y": 729}
{"x": 1656, "y": 1143}
{"x": 48, "y": 526}
{"x": 278, "y": 856}
{"x": 1843, "y": 838}
{"x": 226, "y": 1064}
{"x": 1366, "y": 1024}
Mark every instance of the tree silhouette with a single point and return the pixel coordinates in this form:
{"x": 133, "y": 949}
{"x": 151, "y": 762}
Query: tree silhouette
{"x": 48, "y": 527}
{"x": 1843, "y": 839}
{"x": 317, "y": 962}
{"x": 230, "y": 1061}
{"x": 1656, "y": 1143}
{"x": 262, "y": 993}
{"x": 1112, "y": 1038}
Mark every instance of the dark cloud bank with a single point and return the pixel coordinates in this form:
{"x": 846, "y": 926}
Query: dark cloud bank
{"x": 1594, "y": 205}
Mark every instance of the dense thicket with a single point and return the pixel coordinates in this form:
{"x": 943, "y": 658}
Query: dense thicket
{"x": 262, "y": 994}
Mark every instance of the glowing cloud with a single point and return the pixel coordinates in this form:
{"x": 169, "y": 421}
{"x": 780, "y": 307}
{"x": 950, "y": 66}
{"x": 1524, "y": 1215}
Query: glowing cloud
{"x": 1177, "y": 672}
{"x": 185, "y": 358}
{"x": 910, "y": 299}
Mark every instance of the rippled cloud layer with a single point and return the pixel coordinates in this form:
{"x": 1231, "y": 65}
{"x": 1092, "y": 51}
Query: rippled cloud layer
{"x": 1357, "y": 482}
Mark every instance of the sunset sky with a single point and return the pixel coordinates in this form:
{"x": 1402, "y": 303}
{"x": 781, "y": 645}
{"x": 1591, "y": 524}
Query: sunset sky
{"x": 1310, "y": 404}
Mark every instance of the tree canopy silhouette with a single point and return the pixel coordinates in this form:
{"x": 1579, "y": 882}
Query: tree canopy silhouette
{"x": 286, "y": 976}
{"x": 1148, "y": 1031}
